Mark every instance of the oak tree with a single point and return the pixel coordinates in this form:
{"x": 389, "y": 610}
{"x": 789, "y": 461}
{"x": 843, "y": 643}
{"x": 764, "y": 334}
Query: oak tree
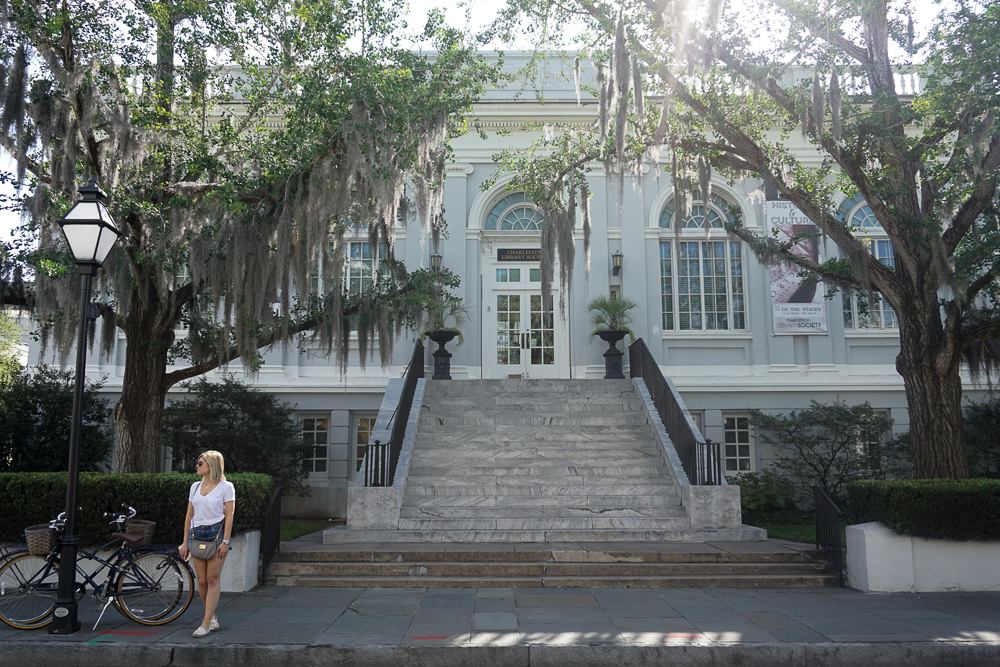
{"x": 238, "y": 142}
{"x": 710, "y": 93}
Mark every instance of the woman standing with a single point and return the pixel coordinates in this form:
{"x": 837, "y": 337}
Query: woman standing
{"x": 209, "y": 518}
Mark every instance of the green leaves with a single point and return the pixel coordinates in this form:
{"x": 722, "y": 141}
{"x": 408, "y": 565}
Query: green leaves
{"x": 36, "y": 498}
{"x": 253, "y": 431}
{"x": 938, "y": 509}
{"x": 35, "y": 409}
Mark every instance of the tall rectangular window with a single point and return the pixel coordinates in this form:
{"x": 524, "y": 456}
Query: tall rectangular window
{"x": 360, "y": 267}
{"x": 316, "y": 434}
{"x": 737, "y": 444}
{"x": 361, "y": 427}
{"x": 860, "y": 312}
{"x": 702, "y": 286}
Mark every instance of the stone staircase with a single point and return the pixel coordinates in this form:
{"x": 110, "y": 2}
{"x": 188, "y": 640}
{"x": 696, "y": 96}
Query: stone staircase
{"x": 742, "y": 564}
{"x": 538, "y": 483}
{"x": 538, "y": 461}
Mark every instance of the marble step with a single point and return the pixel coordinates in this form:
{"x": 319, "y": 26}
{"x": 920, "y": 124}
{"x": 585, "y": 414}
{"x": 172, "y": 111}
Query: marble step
{"x": 615, "y": 581}
{"x": 540, "y": 490}
{"x": 509, "y": 470}
{"x": 521, "y": 455}
{"x": 551, "y": 523}
{"x": 520, "y": 418}
{"x": 572, "y": 406}
{"x": 445, "y": 441}
{"x": 558, "y": 434}
{"x": 540, "y": 480}
{"x": 568, "y": 512}
{"x": 459, "y": 464}
{"x": 466, "y": 387}
{"x": 567, "y": 552}
{"x": 341, "y": 535}
{"x": 599, "y": 502}
{"x": 539, "y": 569}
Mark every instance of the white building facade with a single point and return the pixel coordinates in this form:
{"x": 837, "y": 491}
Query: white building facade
{"x": 706, "y": 305}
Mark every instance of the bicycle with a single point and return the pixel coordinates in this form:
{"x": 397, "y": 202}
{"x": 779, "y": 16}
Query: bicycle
{"x": 150, "y": 587}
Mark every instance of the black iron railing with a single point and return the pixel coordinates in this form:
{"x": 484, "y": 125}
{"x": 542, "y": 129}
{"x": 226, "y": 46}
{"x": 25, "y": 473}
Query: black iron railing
{"x": 701, "y": 459}
{"x": 270, "y": 538}
{"x": 828, "y": 535}
{"x": 381, "y": 457}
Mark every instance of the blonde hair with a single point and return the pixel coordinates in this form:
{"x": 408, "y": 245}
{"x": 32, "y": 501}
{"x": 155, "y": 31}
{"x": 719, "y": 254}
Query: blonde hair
{"x": 216, "y": 465}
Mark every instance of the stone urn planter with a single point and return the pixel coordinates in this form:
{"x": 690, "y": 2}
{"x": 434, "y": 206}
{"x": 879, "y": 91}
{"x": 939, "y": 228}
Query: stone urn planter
{"x": 613, "y": 357}
{"x": 442, "y": 357}
{"x": 609, "y": 316}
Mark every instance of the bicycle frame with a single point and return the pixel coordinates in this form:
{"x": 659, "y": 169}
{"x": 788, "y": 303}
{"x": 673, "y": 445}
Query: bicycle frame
{"x": 115, "y": 564}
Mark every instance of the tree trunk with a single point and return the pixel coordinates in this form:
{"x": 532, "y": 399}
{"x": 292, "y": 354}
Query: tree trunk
{"x": 139, "y": 412}
{"x": 934, "y": 400}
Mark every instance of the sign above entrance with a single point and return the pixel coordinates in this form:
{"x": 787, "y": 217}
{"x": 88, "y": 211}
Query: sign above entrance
{"x": 519, "y": 254}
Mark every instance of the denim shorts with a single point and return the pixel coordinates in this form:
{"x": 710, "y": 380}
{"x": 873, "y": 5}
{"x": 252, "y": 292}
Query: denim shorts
{"x": 208, "y": 533}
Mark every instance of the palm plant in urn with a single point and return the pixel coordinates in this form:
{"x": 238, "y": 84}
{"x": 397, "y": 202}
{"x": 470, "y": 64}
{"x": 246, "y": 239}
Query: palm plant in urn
{"x": 610, "y": 318}
{"x": 445, "y": 316}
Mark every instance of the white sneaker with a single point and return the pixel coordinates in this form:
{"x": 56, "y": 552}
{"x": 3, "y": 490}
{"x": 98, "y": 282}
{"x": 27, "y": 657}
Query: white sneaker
{"x": 200, "y": 632}
{"x": 214, "y": 624}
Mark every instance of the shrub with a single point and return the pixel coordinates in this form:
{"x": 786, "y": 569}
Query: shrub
{"x": 982, "y": 436}
{"x": 763, "y": 493}
{"x": 36, "y": 498}
{"x": 35, "y": 418}
{"x": 827, "y": 445}
{"x": 253, "y": 430}
{"x": 966, "y": 509}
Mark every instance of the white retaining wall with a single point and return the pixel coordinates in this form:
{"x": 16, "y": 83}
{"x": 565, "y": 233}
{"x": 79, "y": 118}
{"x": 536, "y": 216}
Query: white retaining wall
{"x": 880, "y": 561}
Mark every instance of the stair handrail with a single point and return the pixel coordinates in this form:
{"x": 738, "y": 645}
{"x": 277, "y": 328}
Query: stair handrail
{"x": 270, "y": 534}
{"x": 828, "y": 536}
{"x": 381, "y": 458}
{"x": 700, "y": 458}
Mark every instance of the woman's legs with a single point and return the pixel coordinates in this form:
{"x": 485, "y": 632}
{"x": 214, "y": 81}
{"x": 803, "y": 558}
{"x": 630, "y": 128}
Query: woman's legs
{"x": 210, "y": 597}
{"x": 201, "y": 573}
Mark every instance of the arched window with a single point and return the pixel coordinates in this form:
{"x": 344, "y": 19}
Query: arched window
{"x": 514, "y": 213}
{"x": 701, "y": 281}
{"x": 859, "y": 214}
{"x": 858, "y": 312}
{"x": 715, "y": 214}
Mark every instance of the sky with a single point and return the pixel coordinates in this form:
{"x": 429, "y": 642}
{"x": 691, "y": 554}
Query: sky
{"x": 457, "y": 12}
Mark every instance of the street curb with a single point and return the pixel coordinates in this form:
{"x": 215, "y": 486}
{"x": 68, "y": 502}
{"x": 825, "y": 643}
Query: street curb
{"x": 109, "y": 654}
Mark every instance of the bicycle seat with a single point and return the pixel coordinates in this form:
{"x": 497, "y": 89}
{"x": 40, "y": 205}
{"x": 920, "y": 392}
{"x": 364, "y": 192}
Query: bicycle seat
{"x": 129, "y": 539}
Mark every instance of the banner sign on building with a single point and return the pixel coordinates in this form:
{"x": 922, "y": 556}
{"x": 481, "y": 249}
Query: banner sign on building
{"x": 797, "y": 306}
{"x": 519, "y": 255}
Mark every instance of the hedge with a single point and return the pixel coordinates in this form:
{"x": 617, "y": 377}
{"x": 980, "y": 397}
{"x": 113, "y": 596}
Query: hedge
{"x": 943, "y": 509}
{"x": 35, "y": 498}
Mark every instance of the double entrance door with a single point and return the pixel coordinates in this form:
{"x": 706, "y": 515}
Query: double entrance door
{"x": 524, "y": 337}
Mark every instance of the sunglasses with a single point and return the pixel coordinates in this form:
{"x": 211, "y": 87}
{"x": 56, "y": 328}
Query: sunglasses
{"x": 199, "y": 463}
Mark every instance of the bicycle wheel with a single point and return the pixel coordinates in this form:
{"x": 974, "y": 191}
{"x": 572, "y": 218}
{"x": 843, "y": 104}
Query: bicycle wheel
{"x": 154, "y": 588}
{"x": 28, "y": 590}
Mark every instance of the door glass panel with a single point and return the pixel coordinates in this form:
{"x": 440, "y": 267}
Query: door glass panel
{"x": 542, "y": 334}
{"x": 508, "y": 329}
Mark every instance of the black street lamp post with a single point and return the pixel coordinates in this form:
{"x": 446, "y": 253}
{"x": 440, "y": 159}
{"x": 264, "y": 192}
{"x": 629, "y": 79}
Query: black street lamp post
{"x": 90, "y": 233}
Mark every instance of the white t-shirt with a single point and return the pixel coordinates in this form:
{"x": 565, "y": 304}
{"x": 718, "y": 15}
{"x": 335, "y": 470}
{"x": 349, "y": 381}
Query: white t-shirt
{"x": 210, "y": 508}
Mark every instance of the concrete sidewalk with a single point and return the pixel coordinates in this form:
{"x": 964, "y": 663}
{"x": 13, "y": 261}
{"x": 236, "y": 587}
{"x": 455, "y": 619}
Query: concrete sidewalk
{"x": 275, "y": 625}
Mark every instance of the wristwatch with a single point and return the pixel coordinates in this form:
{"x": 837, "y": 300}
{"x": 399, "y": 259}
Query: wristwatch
{"x": 226, "y": 542}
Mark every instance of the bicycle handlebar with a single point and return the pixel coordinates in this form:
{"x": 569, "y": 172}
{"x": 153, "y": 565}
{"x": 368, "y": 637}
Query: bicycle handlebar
{"x": 121, "y": 518}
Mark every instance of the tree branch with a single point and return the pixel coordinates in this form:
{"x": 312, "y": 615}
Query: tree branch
{"x": 828, "y": 34}
{"x": 273, "y": 336}
{"x": 975, "y": 203}
{"x": 34, "y": 167}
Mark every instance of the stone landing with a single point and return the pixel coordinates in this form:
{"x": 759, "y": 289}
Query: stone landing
{"x": 538, "y": 461}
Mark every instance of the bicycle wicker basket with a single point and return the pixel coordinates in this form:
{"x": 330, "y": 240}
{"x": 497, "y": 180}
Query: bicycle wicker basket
{"x": 141, "y": 527}
{"x": 40, "y": 539}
